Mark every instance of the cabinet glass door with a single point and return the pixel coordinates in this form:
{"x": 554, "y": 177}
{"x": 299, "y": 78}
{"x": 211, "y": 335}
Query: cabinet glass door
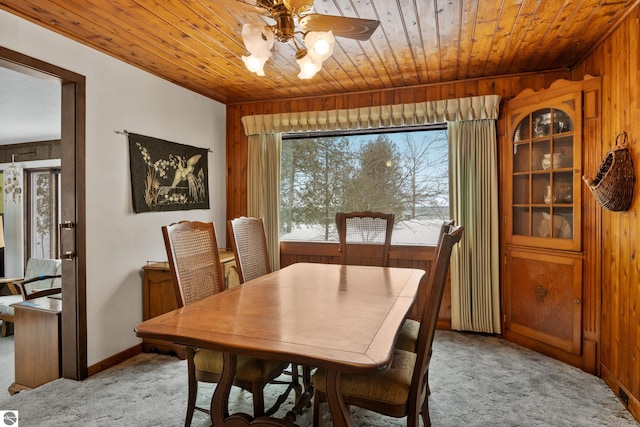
{"x": 543, "y": 193}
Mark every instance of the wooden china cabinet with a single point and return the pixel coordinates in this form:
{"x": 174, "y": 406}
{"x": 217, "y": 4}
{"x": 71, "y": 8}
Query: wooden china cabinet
{"x": 543, "y": 252}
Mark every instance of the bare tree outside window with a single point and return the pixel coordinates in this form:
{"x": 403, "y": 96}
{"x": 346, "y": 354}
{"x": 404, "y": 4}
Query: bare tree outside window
{"x": 42, "y": 214}
{"x": 404, "y": 173}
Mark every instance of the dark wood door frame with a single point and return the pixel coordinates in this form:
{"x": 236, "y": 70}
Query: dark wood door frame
{"x": 73, "y": 237}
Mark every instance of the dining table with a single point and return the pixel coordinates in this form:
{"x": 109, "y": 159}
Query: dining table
{"x": 342, "y": 318}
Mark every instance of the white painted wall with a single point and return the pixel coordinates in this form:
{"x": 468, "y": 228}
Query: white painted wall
{"x": 120, "y": 242}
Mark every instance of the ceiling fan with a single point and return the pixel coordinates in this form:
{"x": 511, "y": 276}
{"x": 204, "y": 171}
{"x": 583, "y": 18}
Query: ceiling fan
{"x": 292, "y": 17}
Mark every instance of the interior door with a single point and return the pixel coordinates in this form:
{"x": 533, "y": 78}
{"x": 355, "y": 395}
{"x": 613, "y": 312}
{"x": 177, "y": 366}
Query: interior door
{"x": 72, "y": 202}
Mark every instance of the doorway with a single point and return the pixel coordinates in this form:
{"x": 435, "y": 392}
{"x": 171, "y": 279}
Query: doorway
{"x": 72, "y": 205}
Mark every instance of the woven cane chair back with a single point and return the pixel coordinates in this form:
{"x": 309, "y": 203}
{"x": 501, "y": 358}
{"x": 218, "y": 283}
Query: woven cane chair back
{"x": 249, "y": 244}
{"x": 365, "y": 237}
{"x": 192, "y": 250}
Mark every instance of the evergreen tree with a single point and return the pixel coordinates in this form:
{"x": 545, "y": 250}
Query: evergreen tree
{"x": 317, "y": 169}
{"x": 377, "y": 183}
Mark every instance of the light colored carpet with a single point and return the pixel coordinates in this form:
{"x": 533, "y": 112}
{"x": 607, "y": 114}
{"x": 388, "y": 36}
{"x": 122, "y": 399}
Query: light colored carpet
{"x": 475, "y": 381}
{"x": 6, "y": 365}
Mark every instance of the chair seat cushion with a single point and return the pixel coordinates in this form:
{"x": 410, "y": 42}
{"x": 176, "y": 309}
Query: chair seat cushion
{"x": 408, "y": 335}
{"x": 390, "y": 387}
{"x": 6, "y": 301}
{"x": 247, "y": 368}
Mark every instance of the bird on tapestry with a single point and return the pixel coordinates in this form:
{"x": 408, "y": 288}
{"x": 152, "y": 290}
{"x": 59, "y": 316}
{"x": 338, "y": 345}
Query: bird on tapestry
{"x": 183, "y": 173}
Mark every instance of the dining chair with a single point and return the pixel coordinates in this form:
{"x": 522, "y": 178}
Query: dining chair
{"x": 365, "y": 237}
{"x": 400, "y": 391}
{"x": 408, "y": 335}
{"x": 194, "y": 260}
{"x": 249, "y": 244}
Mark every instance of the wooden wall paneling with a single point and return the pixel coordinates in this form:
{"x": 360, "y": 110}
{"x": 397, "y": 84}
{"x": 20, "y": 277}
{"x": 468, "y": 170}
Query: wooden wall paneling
{"x": 421, "y": 93}
{"x": 231, "y": 161}
{"x": 378, "y": 99}
{"x": 384, "y": 97}
{"x": 448, "y": 91}
{"x": 616, "y": 59}
{"x": 614, "y": 219}
{"x": 366, "y": 98}
{"x": 328, "y": 103}
{"x": 43, "y": 150}
{"x": 628, "y": 86}
{"x": 592, "y": 242}
{"x": 621, "y": 39}
{"x": 470, "y": 88}
{"x": 285, "y": 106}
{"x": 290, "y": 105}
{"x": 552, "y": 76}
{"x": 433, "y": 93}
{"x": 405, "y": 96}
{"x": 592, "y": 66}
{"x": 502, "y": 87}
{"x": 609, "y": 263}
{"x": 593, "y": 158}
{"x": 337, "y": 103}
{"x": 534, "y": 81}
{"x": 634, "y": 229}
{"x": 459, "y": 89}
{"x": 236, "y": 163}
{"x": 486, "y": 86}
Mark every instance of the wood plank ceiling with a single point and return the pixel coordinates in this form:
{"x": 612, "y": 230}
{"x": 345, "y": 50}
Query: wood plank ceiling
{"x": 197, "y": 43}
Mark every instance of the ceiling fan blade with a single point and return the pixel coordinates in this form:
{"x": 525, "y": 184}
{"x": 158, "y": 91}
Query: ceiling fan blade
{"x": 242, "y": 6}
{"x": 342, "y": 26}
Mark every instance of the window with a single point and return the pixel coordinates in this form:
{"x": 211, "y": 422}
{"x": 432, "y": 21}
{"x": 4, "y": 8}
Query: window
{"x": 402, "y": 172}
{"x": 43, "y": 213}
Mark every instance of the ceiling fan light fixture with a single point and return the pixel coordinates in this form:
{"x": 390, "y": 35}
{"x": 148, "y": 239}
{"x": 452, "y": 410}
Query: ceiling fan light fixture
{"x": 320, "y": 44}
{"x": 293, "y": 18}
{"x": 308, "y": 67}
{"x": 258, "y": 40}
{"x": 255, "y": 64}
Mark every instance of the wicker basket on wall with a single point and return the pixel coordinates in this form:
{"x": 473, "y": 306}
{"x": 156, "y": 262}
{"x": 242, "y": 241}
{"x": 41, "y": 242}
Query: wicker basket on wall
{"x": 613, "y": 185}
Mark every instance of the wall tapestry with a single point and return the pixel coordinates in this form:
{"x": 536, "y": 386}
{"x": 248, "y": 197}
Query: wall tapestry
{"x": 167, "y": 176}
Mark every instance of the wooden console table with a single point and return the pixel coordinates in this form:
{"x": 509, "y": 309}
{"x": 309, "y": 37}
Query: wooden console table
{"x": 37, "y": 333}
{"x": 159, "y": 296}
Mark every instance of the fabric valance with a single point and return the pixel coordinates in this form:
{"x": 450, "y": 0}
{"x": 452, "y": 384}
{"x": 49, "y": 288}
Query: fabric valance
{"x": 419, "y": 113}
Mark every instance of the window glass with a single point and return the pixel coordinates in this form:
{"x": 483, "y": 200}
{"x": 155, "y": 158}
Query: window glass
{"x": 43, "y": 213}
{"x": 405, "y": 173}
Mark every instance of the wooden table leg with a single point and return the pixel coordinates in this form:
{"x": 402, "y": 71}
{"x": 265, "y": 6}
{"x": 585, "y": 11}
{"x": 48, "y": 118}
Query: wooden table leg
{"x": 339, "y": 411}
{"x": 220, "y": 400}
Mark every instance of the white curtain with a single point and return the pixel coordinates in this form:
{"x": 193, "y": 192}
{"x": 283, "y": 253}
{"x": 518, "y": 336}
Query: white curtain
{"x": 263, "y": 188}
{"x": 473, "y": 191}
